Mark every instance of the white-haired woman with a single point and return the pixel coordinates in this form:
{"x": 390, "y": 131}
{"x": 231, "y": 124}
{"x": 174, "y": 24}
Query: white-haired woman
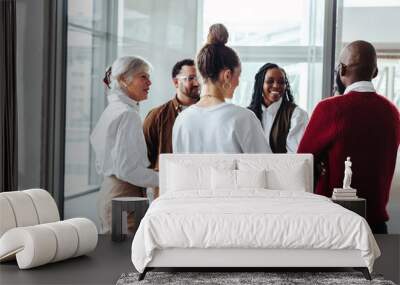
{"x": 118, "y": 140}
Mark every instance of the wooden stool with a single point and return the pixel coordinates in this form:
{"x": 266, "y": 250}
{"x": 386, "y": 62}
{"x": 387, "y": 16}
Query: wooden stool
{"x": 137, "y": 205}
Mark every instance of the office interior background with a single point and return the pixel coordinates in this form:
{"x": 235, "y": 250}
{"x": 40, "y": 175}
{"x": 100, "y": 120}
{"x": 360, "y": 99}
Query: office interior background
{"x": 64, "y": 47}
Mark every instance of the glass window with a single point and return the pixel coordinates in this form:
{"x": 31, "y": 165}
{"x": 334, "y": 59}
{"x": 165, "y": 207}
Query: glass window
{"x": 78, "y": 109}
{"x": 388, "y": 80}
{"x": 81, "y": 13}
{"x": 87, "y": 42}
{"x": 163, "y": 32}
{"x": 99, "y": 31}
{"x": 286, "y": 32}
{"x": 263, "y": 23}
{"x": 354, "y": 23}
{"x": 289, "y": 33}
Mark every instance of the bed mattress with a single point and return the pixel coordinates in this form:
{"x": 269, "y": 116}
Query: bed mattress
{"x": 250, "y": 219}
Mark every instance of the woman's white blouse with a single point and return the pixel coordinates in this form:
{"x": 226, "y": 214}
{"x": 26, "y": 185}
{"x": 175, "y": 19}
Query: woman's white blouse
{"x": 298, "y": 124}
{"x": 223, "y": 128}
{"x": 119, "y": 143}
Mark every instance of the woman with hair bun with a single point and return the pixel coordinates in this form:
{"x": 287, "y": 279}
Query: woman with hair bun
{"x": 118, "y": 140}
{"x": 213, "y": 125}
{"x": 272, "y": 102}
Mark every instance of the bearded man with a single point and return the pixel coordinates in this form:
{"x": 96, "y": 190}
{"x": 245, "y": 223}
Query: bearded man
{"x": 157, "y": 126}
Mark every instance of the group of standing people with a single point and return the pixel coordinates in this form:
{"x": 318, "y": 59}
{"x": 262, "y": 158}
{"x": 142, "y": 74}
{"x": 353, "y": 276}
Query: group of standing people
{"x": 199, "y": 120}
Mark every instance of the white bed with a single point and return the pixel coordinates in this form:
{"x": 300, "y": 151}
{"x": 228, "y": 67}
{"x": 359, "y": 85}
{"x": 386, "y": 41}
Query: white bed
{"x": 247, "y": 210}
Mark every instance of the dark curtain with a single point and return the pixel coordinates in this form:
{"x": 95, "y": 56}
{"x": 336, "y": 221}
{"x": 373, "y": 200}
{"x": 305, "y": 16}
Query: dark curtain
{"x": 8, "y": 98}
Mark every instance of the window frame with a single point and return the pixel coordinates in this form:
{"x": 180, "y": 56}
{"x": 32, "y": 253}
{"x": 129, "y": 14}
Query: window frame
{"x": 108, "y": 42}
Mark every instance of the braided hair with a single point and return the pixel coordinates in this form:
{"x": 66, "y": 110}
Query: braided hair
{"x": 257, "y": 98}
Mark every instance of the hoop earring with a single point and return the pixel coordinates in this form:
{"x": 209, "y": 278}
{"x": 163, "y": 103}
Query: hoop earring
{"x": 227, "y": 85}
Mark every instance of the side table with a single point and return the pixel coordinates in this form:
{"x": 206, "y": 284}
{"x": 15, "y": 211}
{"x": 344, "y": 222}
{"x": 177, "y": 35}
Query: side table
{"x": 137, "y": 205}
{"x": 358, "y": 205}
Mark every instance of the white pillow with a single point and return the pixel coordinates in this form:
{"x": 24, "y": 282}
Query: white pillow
{"x": 292, "y": 179}
{"x": 281, "y": 173}
{"x": 251, "y": 178}
{"x": 236, "y": 179}
{"x": 183, "y": 178}
{"x": 193, "y": 176}
{"x": 223, "y": 179}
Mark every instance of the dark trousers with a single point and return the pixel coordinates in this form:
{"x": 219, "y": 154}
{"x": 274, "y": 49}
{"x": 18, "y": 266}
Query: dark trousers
{"x": 379, "y": 228}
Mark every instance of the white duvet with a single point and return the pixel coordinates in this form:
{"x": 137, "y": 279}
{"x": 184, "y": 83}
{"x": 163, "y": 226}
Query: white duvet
{"x": 252, "y": 218}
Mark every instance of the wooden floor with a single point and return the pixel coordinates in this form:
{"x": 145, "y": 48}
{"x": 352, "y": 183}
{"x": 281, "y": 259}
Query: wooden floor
{"x": 110, "y": 260}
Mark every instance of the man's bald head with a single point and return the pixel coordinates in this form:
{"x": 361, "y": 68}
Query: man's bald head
{"x": 359, "y": 57}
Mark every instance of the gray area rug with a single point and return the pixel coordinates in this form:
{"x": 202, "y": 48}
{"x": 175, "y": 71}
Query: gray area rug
{"x": 225, "y": 278}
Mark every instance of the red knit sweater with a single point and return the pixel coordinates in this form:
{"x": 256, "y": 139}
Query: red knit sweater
{"x": 366, "y": 127}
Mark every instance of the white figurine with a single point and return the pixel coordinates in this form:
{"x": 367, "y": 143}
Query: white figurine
{"x": 347, "y": 174}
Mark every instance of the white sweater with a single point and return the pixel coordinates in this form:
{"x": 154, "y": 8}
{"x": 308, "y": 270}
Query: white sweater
{"x": 119, "y": 143}
{"x": 223, "y": 128}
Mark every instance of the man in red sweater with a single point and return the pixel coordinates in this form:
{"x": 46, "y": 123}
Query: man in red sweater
{"x": 361, "y": 124}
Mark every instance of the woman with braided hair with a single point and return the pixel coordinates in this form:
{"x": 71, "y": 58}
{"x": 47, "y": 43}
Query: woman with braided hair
{"x": 272, "y": 102}
{"x": 213, "y": 125}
